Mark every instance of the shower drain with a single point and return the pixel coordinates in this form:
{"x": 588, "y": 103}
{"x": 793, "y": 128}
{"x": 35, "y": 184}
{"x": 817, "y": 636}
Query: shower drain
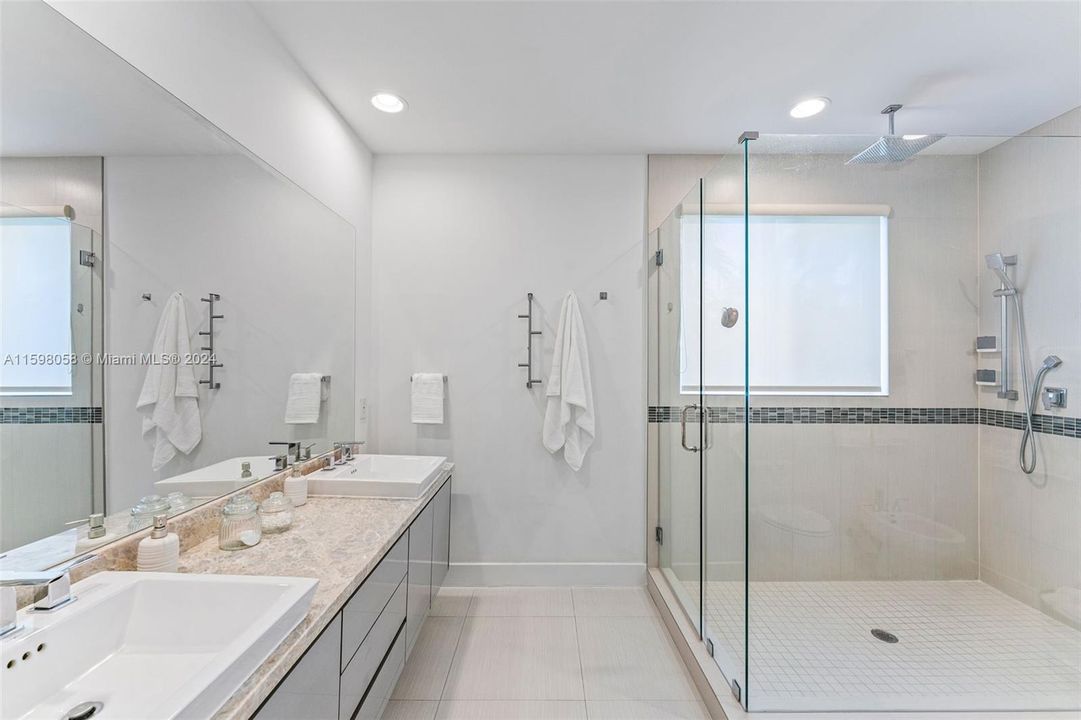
{"x": 884, "y": 636}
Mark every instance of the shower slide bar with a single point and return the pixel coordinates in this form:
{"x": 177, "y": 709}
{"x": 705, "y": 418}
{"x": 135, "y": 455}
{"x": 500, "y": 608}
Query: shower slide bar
{"x": 528, "y": 364}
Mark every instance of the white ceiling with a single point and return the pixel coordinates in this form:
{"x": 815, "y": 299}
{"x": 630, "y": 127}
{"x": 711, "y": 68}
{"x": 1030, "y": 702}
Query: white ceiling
{"x": 671, "y": 77}
{"x": 63, "y": 93}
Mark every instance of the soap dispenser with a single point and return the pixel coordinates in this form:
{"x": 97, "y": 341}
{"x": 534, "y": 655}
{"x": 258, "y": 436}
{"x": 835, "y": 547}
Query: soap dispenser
{"x": 95, "y": 535}
{"x": 296, "y": 487}
{"x": 161, "y": 551}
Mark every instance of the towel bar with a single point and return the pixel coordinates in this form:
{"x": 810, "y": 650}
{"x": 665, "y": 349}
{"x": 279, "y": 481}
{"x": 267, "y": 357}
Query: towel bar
{"x": 209, "y": 347}
{"x": 528, "y": 364}
{"x": 411, "y": 378}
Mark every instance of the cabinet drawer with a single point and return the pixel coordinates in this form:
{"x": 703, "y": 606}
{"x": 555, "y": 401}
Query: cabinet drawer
{"x": 362, "y": 667}
{"x": 310, "y": 690}
{"x": 377, "y": 698}
{"x": 368, "y": 601}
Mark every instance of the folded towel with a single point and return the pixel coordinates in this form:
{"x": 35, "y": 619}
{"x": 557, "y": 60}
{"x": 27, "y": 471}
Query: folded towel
{"x": 169, "y": 399}
{"x": 568, "y": 419}
{"x": 427, "y": 398}
{"x": 305, "y": 395}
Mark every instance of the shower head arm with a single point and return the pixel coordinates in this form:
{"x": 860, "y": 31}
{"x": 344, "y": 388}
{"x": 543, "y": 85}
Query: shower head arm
{"x": 891, "y": 110}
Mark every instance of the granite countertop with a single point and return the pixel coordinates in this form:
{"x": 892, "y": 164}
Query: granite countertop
{"x": 339, "y": 541}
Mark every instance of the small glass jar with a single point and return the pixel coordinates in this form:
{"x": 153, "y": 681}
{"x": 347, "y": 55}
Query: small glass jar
{"x": 276, "y": 513}
{"x": 143, "y": 512}
{"x": 240, "y": 524}
{"x": 179, "y": 502}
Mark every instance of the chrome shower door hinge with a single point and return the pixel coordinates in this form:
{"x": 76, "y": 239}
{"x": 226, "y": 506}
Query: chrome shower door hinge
{"x": 737, "y": 693}
{"x": 658, "y": 258}
{"x": 658, "y": 535}
{"x": 709, "y": 647}
{"x": 87, "y": 258}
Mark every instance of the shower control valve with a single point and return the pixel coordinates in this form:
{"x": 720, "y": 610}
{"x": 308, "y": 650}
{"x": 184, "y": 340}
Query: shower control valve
{"x": 1054, "y": 398}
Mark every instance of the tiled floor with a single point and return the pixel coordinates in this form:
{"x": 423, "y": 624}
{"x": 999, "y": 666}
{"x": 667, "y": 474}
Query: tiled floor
{"x": 962, "y": 646}
{"x": 544, "y": 654}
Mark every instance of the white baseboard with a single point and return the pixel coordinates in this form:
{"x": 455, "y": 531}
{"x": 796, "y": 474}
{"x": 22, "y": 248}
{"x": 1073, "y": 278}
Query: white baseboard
{"x": 550, "y": 574}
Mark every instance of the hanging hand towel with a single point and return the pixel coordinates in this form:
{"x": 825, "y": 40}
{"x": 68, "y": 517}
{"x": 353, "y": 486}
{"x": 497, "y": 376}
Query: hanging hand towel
{"x": 305, "y": 395}
{"x": 427, "y": 398}
{"x": 568, "y": 419}
{"x": 169, "y": 399}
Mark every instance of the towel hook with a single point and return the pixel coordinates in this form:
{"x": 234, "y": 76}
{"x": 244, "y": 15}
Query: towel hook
{"x": 146, "y": 296}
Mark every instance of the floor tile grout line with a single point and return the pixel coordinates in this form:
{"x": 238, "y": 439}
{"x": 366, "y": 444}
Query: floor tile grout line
{"x": 578, "y": 649}
{"x": 454, "y": 655}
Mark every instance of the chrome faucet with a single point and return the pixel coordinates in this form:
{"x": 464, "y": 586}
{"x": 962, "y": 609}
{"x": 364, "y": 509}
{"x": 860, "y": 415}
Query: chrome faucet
{"x": 293, "y": 449}
{"x": 58, "y": 591}
{"x": 346, "y": 447}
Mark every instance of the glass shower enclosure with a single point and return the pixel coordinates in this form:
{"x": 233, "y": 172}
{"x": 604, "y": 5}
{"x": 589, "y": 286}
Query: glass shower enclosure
{"x": 838, "y": 406}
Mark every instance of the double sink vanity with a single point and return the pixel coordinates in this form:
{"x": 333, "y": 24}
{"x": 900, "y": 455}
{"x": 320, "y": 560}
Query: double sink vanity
{"x": 315, "y": 622}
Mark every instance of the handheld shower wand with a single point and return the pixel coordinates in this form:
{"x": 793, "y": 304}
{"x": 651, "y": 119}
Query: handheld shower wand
{"x": 997, "y": 263}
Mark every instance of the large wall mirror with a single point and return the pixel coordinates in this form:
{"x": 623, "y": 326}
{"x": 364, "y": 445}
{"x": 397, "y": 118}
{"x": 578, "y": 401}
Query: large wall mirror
{"x": 134, "y": 237}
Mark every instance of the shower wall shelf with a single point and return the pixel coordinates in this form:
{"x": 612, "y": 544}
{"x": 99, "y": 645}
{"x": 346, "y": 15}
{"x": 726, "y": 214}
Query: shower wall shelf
{"x": 528, "y": 364}
{"x": 209, "y": 347}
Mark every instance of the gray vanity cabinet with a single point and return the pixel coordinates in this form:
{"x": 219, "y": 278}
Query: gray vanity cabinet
{"x": 420, "y": 573}
{"x": 350, "y": 671}
{"x": 310, "y": 691}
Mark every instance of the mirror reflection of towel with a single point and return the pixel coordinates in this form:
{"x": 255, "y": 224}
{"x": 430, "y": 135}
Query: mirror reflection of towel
{"x": 169, "y": 399}
{"x": 568, "y": 420}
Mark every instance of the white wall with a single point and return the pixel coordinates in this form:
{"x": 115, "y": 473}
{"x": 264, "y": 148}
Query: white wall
{"x": 459, "y": 241}
{"x": 221, "y": 60}
{"x": 283, "y": 264}
{"x": 1030, "y": 205}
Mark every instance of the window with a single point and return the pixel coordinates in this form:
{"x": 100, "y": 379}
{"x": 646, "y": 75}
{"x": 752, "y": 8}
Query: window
{"x": 35, "y": 305}
{"x": 818, "y": 306}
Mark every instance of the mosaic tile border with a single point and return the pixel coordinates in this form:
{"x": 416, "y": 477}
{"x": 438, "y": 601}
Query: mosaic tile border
{"x": 1048, "y": 424}
{"x": 49, "y": 415}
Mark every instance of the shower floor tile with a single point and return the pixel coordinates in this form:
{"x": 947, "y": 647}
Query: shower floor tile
{"x": 962, "y": 645}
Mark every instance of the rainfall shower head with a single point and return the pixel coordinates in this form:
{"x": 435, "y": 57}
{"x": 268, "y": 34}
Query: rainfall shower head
{"x": 893, "y": 148}
{"x": 998, "y": 263}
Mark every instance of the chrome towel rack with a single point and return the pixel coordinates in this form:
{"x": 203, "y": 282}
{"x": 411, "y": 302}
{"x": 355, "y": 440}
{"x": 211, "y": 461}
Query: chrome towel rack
{"x": 528, "y": 364}
{"x": 209, "y": 347}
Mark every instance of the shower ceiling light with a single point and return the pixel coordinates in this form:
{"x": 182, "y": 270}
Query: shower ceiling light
{"x": 808, "y": 108}
{"x": 388, "y": 102}
{"x": 913, "y": 137}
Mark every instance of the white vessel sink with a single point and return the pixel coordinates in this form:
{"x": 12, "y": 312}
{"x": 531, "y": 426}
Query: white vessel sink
{"x": 148, "y": 645}
{"x": 217, "y": 479}
{"x": 383, "y": 476}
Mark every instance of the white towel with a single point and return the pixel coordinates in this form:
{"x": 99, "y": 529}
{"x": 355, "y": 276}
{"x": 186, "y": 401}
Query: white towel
{"x": 568, "y": 419}
{"x": 305, "y": 397}
{"x": 169, "y": 399}
{"x": 427, "y": 398}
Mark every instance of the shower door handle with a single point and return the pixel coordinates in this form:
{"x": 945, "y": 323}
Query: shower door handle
{"x": 683, "y": 428}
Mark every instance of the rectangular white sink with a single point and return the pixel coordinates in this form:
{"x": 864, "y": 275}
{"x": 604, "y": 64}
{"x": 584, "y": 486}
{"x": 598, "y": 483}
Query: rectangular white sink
{"x": 148, "y": 645}
{"x": 217, "y": 479}
{"x": 382, "y": 476}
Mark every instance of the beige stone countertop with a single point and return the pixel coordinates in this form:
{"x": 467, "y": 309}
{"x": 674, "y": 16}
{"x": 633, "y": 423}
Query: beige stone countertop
{"x": 339, "y": 541}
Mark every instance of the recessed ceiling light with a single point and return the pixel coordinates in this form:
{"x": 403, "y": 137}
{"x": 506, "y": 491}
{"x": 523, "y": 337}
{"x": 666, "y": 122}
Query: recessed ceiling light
{"x": 388, "y": 102}
{"x": 807, "y": 108}
{"x": 913, "y": 137}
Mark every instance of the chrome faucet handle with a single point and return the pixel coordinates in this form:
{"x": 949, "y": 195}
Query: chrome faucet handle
{"x": 305, "y": 452}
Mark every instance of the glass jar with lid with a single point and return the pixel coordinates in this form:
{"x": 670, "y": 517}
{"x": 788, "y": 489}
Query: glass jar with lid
{"x": 276, "y": 513}
{"x": 240, "y": 524}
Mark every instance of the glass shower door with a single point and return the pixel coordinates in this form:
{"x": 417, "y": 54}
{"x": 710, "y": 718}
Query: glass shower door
{"x": 676, "y": 400}
{"x": 723, "y": 333}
